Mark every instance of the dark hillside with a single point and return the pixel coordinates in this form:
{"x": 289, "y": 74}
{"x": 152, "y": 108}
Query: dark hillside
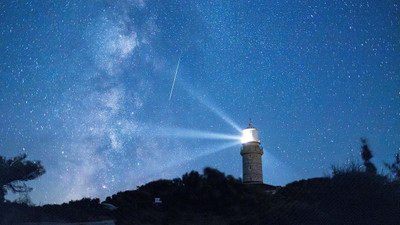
{"x": 348, "y": 197}
{"x": 212, "y": 195}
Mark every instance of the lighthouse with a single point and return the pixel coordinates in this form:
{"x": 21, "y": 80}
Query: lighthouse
{"x": 251, "y": 153}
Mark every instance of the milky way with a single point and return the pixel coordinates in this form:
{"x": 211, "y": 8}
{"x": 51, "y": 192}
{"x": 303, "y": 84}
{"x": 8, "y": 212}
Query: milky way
{"x": 85, "y": 86}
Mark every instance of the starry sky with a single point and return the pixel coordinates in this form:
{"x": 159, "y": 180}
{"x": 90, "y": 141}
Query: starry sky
{"x": 85, "y": 86}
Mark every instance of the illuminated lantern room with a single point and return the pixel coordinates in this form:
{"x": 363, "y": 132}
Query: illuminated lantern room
{"x": 250, "y": 134}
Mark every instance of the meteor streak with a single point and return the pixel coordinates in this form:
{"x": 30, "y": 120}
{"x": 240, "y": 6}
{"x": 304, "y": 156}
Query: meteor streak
{"x": 173, "y": 83}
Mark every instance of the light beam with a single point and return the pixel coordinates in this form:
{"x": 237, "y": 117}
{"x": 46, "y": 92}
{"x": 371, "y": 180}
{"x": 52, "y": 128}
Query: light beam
{"x": 219, "y": 112}
{"x": 211, "y": 106}
{"x": 190, "y": 133}
{"x": 194, "y": 155}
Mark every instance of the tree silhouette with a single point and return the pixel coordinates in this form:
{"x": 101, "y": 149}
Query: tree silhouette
{"x": 394, "y": 168}
{"x": 366, "y": 155}
{"x": 13, "y": 173}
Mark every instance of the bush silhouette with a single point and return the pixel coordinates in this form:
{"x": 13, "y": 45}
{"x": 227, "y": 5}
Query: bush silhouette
{"x": 394, "y": 168}
{"x": 366, "y": 155}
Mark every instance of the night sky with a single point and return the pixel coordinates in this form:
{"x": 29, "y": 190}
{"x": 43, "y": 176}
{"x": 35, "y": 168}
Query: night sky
{"x": 85, "y": 86}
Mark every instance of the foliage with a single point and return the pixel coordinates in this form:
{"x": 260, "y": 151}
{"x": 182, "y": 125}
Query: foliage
{"x": 394, "y": 168}
{"x": 85, "y": 209}
{"x": 353, "y": 197}
{"x": 13, "y": 173}
{"x": 350, "y": 196}
{"x": 352, "y": 168}
{"x": 189, "y": 199}
{"x": 366, "y": 155}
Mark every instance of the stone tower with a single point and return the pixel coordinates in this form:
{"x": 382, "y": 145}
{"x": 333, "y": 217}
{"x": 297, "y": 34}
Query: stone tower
{"x": 251, "y": 153}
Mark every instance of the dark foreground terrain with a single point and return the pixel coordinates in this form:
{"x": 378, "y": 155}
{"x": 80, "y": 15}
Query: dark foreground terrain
{"x": 348, "y": 197}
